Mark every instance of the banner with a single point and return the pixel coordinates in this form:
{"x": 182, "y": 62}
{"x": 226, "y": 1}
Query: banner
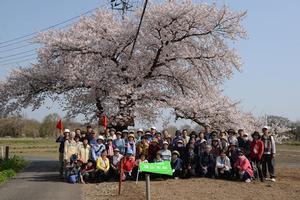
{"x": 59, "y": 125}
{"x": 157, "y": 168}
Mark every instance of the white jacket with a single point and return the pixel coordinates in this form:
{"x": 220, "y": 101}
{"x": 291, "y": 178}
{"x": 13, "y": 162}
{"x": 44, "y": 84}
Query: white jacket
{"x": 223, "y": 163}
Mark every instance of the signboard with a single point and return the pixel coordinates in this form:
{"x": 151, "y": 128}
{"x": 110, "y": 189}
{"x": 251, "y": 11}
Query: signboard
{"x": 157, "y": 168}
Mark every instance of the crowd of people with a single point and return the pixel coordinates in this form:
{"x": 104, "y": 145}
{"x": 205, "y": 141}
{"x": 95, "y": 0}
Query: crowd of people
{"x": 86, "y": 156}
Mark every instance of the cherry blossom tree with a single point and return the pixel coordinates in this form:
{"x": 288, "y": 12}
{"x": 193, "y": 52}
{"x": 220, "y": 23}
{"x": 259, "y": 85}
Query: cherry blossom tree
{"x": 180, "y": 60}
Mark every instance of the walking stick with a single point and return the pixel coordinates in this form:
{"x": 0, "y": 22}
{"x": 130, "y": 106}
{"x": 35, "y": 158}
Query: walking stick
{"x": 121, "y": 174}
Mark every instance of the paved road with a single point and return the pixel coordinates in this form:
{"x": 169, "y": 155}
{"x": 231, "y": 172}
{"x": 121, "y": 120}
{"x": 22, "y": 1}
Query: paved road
{"x": 39, "y": 181}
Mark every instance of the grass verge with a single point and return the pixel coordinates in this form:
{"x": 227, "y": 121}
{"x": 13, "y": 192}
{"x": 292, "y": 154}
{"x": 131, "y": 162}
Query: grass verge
{"x": 10, "y": 167}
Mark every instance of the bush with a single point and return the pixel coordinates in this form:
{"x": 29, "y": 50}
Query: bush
{"x": 4, "y": 175}
{"x": 9, "y": 168}
{"x": 16, "y": 163}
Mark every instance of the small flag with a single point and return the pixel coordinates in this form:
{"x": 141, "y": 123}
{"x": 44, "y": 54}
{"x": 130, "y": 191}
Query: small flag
{"x": 103, "y": 121}
{"x": 59, "y": 125}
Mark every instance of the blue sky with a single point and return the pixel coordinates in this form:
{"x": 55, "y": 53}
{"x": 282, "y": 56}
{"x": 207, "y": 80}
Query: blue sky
{"x": 269, "y": 83}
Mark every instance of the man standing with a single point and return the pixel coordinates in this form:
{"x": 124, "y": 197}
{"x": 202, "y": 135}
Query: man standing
{"x": 268, "y": 158}
{"x": 61, "y": 139}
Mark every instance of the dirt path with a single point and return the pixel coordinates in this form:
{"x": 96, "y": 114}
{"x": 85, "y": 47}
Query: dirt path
{"x": 287, "y": 187}
{"x": 39, "y": 181}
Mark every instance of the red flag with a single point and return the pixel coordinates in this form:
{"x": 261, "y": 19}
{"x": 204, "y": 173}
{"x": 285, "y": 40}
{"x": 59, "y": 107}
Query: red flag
{"x": 59, "y": 125}
{"x": 103, "y": 121}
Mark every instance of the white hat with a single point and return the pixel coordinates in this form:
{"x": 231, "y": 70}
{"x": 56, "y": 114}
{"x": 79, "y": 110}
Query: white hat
{"x": 203, "y": 140}
{"x": 67, "y": 131}
{"x": 100, "y": 137}
{"x": 153, "y": 127}
{"x": 165, "y": 142}
{"x": 266, "y": 127}
{"x": 140, "y": 130}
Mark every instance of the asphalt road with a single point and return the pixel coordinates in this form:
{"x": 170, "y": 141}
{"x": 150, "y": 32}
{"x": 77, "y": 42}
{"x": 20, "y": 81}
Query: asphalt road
{"x": 39, "y": 181}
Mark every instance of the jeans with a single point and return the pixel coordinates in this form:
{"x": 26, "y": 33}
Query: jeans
{"x": 256, "y": 165}
{"x": 268, "y": 163}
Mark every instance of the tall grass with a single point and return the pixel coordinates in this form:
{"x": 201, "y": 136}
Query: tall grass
{"x": 9, "y": 168}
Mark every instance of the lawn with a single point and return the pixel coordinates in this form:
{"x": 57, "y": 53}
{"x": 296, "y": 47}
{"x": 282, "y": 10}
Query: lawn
{"x": 35, "y": 147}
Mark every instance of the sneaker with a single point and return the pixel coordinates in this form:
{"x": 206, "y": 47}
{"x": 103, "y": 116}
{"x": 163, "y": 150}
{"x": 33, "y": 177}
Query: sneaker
{"x": 273, "y": 179}
{"x": 248, "y": 180}
{"x": 268, "y": 179}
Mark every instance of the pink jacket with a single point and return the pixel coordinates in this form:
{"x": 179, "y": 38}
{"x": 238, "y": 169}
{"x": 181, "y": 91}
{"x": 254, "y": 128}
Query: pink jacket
{"x": 244, "y": 164}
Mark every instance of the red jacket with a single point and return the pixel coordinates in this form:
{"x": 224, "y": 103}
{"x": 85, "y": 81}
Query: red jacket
{"x": 128, "y": 163}
{"x": 256, "y": 149}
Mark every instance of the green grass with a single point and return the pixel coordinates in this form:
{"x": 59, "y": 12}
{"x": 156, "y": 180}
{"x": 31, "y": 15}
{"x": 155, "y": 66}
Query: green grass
{"x": 9, "y": 168}
{"x": 38, "y": 147}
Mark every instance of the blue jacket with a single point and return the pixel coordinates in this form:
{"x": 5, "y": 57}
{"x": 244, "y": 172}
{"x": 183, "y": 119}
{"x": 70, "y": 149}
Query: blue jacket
{"x": 96, "y": 151}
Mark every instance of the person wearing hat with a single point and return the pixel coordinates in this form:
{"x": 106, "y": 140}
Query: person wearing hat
{"x": 89, "y": 131}
{"x": 142, "y": 147}
{"x": 180, "y": 147}
{"x": 70, "y": 148}
{"x": 128, "y": 165}
{"x": 206, "y": 163}
{"x": 102, "y": 167}
{"x": 149, "y": 136}
{"x": 244, "y": 144}
{"x": 114, "y": 164}
{"x": 178, "y": 136}
{"x": 268, "y": 158}
{"x": 120, "y": 143}
{"x": 165, "y": 152}
{"x": 244, "y": 168}
{"x": 153, "y": 130}
{"x": 176, "y": 164}
{"x": 140, "y": 134}
{"x": 125, "y": 133}
{"x": 112, "y": 133}
{"x": 131, "y": 144}
{"x": 256, "y": 152}
{"x": 153, "y": 149}
{"x": 98, "y": 148}
{"x": 61, "y": 140}
{"x": 84, "y": 151}
{"x": 223, "y": 166}
{"x": 190, "y": 161}
{"x": 224, "y": 143}
{"x": 109, "y": 147}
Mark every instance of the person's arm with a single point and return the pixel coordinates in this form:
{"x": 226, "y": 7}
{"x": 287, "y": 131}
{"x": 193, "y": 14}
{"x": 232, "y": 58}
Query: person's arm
{"x": 273, "y": 145}
{"x": 108, "y": 165}
{"x": 65, "y": 150}
{"x": 93, "y": 154}
{"x": 261, "y": 150}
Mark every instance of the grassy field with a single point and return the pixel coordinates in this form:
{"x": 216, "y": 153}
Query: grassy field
{"x": 36, "y": 147}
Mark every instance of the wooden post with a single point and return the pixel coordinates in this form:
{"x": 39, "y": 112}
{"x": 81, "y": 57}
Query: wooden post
{"x": 147, "y": 176}
{"x": 2, "y": 152}
{"x": 6, "y": 152}
{"x": 121, "y": 176}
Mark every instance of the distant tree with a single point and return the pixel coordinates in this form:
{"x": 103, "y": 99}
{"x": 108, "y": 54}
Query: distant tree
{"x": 48, "y": 125}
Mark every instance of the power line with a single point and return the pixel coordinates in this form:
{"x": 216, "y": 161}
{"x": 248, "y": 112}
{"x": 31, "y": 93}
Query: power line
{"x": 44, "y": 29}
{"x": 17, "y": 54}
{"x": 18, "y": 47}
{"x": 17, "y": 58}
{"x": 17, "y": 62}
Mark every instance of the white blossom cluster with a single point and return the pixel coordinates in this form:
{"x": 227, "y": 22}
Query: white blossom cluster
{"x": 182, "y": 56}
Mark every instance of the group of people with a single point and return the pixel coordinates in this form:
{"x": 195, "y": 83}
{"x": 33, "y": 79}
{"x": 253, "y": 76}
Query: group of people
{"x": 85, "y": 156}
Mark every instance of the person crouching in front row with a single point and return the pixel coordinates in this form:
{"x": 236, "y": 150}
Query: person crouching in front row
{"x": 223, "y": 166}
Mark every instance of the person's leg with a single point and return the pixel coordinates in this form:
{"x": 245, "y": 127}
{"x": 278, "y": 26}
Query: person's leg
{"x": 259, "y": 171}
{"x": 246, "y": 177}
{"x": 264, "y": 166}
{"x": 271, "y": 166}
{"x": 61, "y": 163}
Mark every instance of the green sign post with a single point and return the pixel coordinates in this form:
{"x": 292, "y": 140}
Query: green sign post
{"x": 157, "y": 168}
